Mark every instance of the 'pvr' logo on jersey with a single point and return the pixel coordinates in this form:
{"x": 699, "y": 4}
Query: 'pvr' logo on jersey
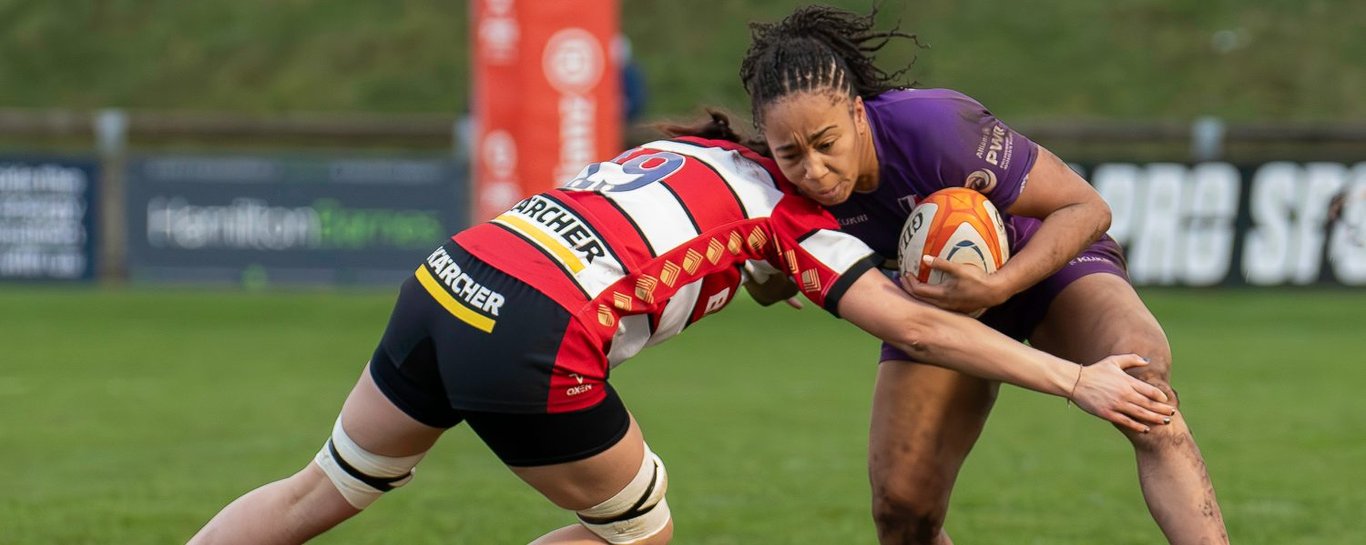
{"x": 555, "y": 229}
{"x": 460, "y": 294}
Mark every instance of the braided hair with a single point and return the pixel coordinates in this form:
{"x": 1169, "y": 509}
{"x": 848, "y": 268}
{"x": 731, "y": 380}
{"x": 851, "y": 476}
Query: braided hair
{"x": 817, "y": 48}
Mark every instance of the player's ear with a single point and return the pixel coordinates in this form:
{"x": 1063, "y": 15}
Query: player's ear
{"x": 860, "y": 116}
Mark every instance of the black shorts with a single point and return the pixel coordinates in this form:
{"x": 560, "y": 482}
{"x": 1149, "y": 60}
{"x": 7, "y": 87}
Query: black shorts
{"x": 490, "y": 369}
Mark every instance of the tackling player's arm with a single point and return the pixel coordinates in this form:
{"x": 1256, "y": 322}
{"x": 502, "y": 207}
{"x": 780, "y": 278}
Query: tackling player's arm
{"x": 835, "y": 271}
{"x": 930, "y": 335}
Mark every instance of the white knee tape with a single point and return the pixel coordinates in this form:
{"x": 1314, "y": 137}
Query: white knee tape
{"x": 638, "y": 511}
{"x": 359, "y": 475}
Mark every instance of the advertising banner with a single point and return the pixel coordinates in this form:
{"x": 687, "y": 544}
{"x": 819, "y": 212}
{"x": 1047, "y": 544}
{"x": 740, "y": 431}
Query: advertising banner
{"x": 291, "y": 220}
{"x": 47, "y": 218}
{"x": 1274, "y": 224}
{"x": 547, "y": 95}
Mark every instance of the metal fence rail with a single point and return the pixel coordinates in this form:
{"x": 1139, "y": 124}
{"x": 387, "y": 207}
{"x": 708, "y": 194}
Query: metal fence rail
{"x": 1085, "y": 140}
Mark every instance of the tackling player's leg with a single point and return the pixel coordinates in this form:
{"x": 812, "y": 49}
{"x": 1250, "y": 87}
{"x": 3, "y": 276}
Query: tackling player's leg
{"x": 618, "y": 495}
{"x": 373, "y": 448}
{"x": 925, "y": 421}
{"x": 1098, "y": 315}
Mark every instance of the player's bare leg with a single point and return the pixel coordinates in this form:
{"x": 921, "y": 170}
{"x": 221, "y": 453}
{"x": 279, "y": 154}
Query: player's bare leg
{"x": 299, "y": 507}
{"x": 925, "y": 421}
{"x": 1099, "y": 315}
{"x": 586, "y": 483}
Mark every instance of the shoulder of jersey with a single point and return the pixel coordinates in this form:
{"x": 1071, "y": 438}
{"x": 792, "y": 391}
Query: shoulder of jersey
{"x": 927, "y": 105}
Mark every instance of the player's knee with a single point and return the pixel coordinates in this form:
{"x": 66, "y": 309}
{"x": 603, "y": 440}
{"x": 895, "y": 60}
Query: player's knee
{"x": 1149, "y": 344}
{"x": 1158, "y": 371}
{"x": 1161, "y": 379}
{"x": 910, "y": 516}
{"x": 1165, "y": 438}
{"x": 638, "y": 514}
{"x": 362, "y": 476}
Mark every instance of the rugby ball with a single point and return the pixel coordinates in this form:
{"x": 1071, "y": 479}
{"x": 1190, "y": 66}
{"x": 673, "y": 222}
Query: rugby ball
{"x": 956, "y": 224}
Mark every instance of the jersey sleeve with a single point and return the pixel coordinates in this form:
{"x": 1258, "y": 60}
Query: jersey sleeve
{"x": 951, "y": 140}
{"x": 809, "y": 248}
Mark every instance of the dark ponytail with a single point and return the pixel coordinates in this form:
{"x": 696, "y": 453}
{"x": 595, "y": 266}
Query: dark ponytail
{"x": 716, "y": 127}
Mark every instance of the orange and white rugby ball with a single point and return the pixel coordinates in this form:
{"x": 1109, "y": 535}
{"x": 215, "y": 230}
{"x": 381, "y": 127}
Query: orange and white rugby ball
{"x": 956, "y": 224}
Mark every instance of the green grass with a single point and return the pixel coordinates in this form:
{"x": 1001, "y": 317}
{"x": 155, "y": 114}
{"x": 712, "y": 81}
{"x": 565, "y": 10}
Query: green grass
{"x": 132, "y": 416}
{"x": 1131, "y": 59}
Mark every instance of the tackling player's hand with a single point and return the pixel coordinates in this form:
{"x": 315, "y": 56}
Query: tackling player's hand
{"x": 773, "y": 289}
{"x": 965, "y": 289}
{"x": 1106, "y": 390}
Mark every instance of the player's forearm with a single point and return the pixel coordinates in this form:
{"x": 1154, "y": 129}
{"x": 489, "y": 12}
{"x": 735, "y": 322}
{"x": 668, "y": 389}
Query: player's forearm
{"x": 1062, "y": 236}
{"x": 934, "y": 336}
{"x": 960, "y": 343}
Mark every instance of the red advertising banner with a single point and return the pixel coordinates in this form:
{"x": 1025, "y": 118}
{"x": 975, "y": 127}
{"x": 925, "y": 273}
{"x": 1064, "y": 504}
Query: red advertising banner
{"x": 546, "y": 95}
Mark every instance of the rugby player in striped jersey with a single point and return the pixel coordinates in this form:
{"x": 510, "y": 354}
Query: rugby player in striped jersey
{"x": 514, "y": 325}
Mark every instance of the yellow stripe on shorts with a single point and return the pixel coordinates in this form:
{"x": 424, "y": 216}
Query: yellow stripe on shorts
{"x": 456, "y": 308}
{"x": 551, "y": 245}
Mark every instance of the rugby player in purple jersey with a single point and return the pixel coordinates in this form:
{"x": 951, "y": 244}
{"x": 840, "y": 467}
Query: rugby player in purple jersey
{"x": 867, "y": 149}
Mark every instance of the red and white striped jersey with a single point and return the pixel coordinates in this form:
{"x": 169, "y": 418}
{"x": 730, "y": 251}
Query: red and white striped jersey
{"x": 639, "y": 247}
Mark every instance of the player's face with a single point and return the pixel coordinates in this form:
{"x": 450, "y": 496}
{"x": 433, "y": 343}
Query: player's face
{"x": 819, "y": 139}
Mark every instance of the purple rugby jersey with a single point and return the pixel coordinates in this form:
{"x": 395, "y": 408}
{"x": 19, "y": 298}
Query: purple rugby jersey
{"x": 931, "y": 139}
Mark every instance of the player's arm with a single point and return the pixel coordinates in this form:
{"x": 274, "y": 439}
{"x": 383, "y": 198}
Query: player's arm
{"x": 1074, "y": 216}
{"x": 930, "y": 335}
{"x": 1022, "y": 179}
{"x": 835, "y": 271}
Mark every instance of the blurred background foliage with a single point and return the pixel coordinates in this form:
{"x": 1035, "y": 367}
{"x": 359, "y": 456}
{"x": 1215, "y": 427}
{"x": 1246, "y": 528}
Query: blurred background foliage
{"x": 1264, "y": 60}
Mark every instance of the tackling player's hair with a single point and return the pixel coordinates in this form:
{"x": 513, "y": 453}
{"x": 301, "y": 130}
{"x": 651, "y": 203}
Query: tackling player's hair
{"x": 818, "y": 48}
{"x": 715, "y": 127}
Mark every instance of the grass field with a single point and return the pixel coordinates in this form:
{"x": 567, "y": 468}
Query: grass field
{"x": 131, "y": 416}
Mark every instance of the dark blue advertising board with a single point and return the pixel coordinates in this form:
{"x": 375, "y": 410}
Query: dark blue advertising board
{"x": 1273, "y": 224}
{"x": 294, "y": 220}
{"x": 47, "y": 218}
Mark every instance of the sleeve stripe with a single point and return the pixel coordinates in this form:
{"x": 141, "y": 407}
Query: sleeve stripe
{"x": 807, "y": 235}
{"x": 835, "y": 249}
{"x": 832, "y": 298}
